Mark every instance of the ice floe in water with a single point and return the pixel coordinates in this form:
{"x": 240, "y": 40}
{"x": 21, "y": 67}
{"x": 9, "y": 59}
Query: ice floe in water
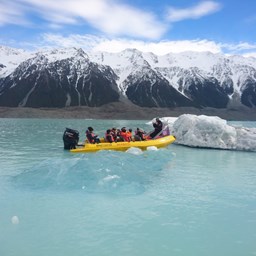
{"x": 15, "y": 220}
{"x": 152, "y": 148}
{"x": 212, "y": 132}
{"x": 134, "y": 151}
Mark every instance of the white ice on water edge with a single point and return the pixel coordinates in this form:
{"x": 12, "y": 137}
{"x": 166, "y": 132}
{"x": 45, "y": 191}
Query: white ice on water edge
{"x": 15, "y": 220}
{"x": 210, "y": 132}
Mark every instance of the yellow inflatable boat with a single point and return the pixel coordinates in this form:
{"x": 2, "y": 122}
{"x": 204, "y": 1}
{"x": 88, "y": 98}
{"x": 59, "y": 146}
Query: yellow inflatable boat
{"x": 123, "y": 146}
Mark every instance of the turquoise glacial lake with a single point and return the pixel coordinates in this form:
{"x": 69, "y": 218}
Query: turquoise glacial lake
{"x": 177, "y": 201}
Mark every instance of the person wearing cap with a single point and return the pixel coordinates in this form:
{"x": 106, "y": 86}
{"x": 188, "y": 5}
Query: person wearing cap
{"x": 91, "y": 137}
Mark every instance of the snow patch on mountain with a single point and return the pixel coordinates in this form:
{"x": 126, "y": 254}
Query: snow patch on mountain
{"x": 186, "y": 71}
{"x": 64, "y": 53}
{"x": 10, "y": 58}
{"x": 230, "y": 71}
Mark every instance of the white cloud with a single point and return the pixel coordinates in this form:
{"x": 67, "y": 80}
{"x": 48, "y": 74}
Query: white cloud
{"x": 87, "y": 42}
{"x": 250, "y": 54}
{"x": 243, "y": 48}
{"x": 195, "y": 12}
{"x": 108, "y": 16}
{"x": 159, "y": 48}
{"x": 104, "y": 44}
{"x": 93, "y": 43}
{"x": 11, "y": 13}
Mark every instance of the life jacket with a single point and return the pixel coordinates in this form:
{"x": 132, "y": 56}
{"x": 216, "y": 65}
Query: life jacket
{"x": 124, "y": 136}
{"x": 129, "y": 135}
{"x": 118, "y": 136}
{"x": 90, "y": 136}
{"x": 114, "y": 135}
{"x": 109, "y": 137}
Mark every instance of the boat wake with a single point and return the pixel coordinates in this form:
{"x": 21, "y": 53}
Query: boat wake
{"x": 103, "y": 172}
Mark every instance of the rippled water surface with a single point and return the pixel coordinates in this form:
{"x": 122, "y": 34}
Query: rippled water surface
{"x": 173, "y": 201}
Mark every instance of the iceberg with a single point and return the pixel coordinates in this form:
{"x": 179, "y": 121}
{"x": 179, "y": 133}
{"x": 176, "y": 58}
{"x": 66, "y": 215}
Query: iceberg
{"x": 210, "y": 132}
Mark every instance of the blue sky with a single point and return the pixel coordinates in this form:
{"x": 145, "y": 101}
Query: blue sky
{"x": 159, "y": 26}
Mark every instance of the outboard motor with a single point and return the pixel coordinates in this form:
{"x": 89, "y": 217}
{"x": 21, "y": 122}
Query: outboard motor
{"x": 70, "y": 138}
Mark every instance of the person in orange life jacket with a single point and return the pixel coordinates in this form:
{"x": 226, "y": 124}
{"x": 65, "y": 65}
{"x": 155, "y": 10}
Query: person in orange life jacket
{"x": 91, "y": 137}
{"x": 109, "y": 136}
{"x": 113, "y": 133}
{"x": 158, "y": 125}
{"x": 124, "y": 135}
{"x": 118, "y": 134}
{"x": 139, "y": 134}
{"x": 129, "y": 134}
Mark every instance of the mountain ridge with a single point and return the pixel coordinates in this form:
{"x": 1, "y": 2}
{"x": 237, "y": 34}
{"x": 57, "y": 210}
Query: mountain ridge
{"x": 71, "y": 77}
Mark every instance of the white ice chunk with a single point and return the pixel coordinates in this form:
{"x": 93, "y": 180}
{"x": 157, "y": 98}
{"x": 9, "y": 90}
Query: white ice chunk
{"x": 152, "y": 148}
{"x": 15, "y": 220}
{"x": 212, "y": 132}
{"x": 134, "y": 151}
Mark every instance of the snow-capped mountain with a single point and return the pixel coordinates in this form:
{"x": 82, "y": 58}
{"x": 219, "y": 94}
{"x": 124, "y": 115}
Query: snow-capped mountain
{"x": 71, "y": 77}
{"x": 58, "y": 78}
{"x": 206, "y": 79}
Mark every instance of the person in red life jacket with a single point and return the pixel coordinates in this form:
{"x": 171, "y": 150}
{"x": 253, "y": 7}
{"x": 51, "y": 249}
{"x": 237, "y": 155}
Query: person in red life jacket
{"x": 129, "y": 134}
{"x": 124, "y": 135}
{"x": 91, "y": 137}
{"x": 158, "y": 125}
{"x": 114, "y": 134}
{"x": 109, "y": 136}
{"x": 140, "y": 134}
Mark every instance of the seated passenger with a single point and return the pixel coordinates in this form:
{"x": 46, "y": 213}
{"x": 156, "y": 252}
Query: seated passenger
{"x": 124, "y": 135}
{"x": 140, "y": 134}
{"x": 114, "y": 134}
{"x": 129, "y": 134}
{"x": 91, "y": 137}
{"x": 109, "y": 136}
{"x": 118, "y": 135}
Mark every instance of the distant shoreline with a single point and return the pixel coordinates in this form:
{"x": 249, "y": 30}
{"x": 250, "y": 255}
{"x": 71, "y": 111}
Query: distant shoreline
{"x": 122, "y": 111}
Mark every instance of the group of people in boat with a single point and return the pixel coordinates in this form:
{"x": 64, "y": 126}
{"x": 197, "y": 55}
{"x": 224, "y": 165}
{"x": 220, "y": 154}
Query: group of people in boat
{"x": 123, "y": 134}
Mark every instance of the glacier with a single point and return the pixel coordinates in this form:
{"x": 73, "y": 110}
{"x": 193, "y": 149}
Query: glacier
{"x": 210, "y": 132}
